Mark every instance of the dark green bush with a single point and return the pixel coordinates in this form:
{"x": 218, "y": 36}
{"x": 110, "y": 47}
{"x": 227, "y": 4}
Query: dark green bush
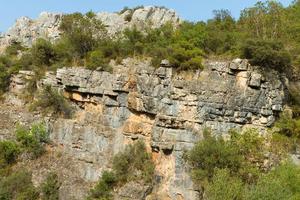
{"x": 210, "y": 154}
{"x": 268, "y": 54}
{"x": 281, "y": 183}
{"x": 51, "y": 101}
{"x": 32, "y": 140}
{"x": 223, "y": 186}
{"x": 9, "y": 152}
{"x": 81, "y": 33}
{"x": 18, "y": 185}
{"x": 14, "y": 49}
{"x": 42, "y": 53}
{"x": 50, "y": 188}
{"x": 134, "y": 163}
{"x": 96, "y": 59}
{"x": 104, "y": 187}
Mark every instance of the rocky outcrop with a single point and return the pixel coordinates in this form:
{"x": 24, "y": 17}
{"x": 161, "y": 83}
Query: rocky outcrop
{"x": 149, "y": 16}
{"x": 166, "y": 109}
{"x": 26, "y": 30}
{"x": 46, "y": 26}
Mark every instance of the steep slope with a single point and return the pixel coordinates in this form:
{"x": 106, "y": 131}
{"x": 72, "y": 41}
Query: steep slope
{"x": 165, "y": 109}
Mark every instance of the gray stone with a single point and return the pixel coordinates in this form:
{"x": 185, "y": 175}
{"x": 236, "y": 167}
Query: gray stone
{"x": 255, "y": 80}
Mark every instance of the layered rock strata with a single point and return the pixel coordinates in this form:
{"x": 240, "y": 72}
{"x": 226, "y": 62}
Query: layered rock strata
{"x": 167, "y": 110}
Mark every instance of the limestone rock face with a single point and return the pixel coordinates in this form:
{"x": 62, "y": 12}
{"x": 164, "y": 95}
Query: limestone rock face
{"x": 26, "y": 30}
{"x": 46, "y": 26}
{"x": 167, "y": 110}
{"x": 153, "y": 17}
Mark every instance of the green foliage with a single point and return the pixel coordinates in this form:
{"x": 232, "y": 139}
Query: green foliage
{"x": 42, "y": 53}
{"x": 96, "y": 59}
{"x": 266, "y": 53}
{"x": 5, "y": 64}
{"x": 9, "y": 152}
{"x": 225, "y": 187}
{"x": 282, "y": 183}
{"x": 104, "y": 187}
{"x": 14, "y": 48}
{"x": 210, "y": 154}
{"x": 50, "y": 188}
{"x": 32, "y": 140}
{"x": 51, "y": 101}
{"x": 133, "y": 164}
{"x": 81, "y": 33}
{"x": 288, "y": 125}
{"x": 243, "y": 155}
{"x": 18, "y": 185}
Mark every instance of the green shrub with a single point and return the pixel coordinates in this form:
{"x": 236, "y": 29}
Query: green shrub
{"x": 81, "y": 32}
{"x": 288, "y": 125}
{"x": 133, "y": 164}
{"x": 50, "y": 188}
{"x": 18, "y": 185}
{"x": 14, "y": 49}
{"x": 268, "y": 54}
{"x": 104, "y": 187}
{"x": 96, "y": 59}
{"x": 32, "y": 140}
{"x": 225, "y": 187}
{"x": 9, "y": 152}
{"x": 281, "y": 183}
{"x": 51, "y": 101}
{"x": 42, "y": 53}
{"x": 210, "y": 154}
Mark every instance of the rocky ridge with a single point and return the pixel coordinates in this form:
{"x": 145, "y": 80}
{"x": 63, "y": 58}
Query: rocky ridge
{"x": 27, "y": 30}
{"x": 167, "y": 110}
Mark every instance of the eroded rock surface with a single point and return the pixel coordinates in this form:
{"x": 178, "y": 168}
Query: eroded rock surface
{"x": 167, "y": 110}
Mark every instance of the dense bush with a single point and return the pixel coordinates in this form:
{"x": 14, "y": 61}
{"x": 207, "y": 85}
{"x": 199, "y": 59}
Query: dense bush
{"x": 240, "y": 162}
{"x": 32, "y": 140}
{"x": 104, "y": 187}
{"x": 266, "y": 53}
{"x": 18, "y": 185}
{"x": 210, "y": 154}
{"x": 133, "y": 164}
{"x": 9, "y": 152}
{"x": 43, "y": 53}
{"x": 282, "y": 183}
{"x": 243, "y": 155}
{"x": 224, "y": 186}
{"x": 81, "y": 32}
{"x": 50, "y": 187}
{"x": 288, "y": 126}
{"x": 51, "y": 101}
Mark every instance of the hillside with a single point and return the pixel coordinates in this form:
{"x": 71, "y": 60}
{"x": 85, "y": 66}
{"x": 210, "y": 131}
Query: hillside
{"x": 141, "y": 104}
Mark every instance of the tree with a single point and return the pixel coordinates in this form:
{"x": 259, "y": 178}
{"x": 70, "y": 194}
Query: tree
{"x": 269, "y": 54}
{"x": 42, "y": 53}
{"x": 81, "y": 32}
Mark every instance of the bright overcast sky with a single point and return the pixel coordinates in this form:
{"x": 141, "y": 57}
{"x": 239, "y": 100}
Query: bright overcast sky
{"x": 192, "y": 10}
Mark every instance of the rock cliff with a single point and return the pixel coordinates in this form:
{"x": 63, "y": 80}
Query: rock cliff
{"x": 27, "y": 30}
{"x": 166, "y": 109}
